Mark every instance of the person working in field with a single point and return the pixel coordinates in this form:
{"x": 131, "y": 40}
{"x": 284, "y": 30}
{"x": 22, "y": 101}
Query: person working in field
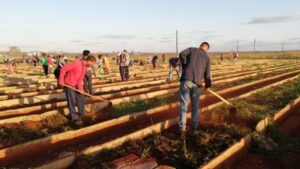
{"x": 72, "y": 74}
{"x": 88, "y": 84}
{"x": 174, "y": 64}
{"x": 10, "y": 65}
{"x": 154, "y": 61}
{"x": 50, "y": 61}
{"x": 149, "y": 59}
{"x": 45, "y": 65}
{"x": 24, "y": 59}
{"x": 103, "y": 64}
{"x": 163, "y": 56}
{"x": 35, "y": 59}
{"x": 60, "y": 62}
{"x": 234, "y": 56}
{"x": 195, "y": 66}
{"x": 123, "y": 61}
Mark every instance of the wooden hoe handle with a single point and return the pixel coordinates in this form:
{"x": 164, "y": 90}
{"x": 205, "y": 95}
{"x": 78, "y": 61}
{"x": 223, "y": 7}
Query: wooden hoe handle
{"x": 218, "y": 96}
{"x": 86, "y": 94}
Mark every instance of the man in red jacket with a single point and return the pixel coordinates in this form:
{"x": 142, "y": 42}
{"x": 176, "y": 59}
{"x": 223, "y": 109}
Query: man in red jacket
{"x": 72, "y": 74}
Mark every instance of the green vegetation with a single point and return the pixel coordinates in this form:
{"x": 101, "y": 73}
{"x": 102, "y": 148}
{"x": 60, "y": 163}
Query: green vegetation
{"x": 26, "y": 131}
{"x": 250, "y": 109}
{"x": 167, "y": 147}
{"x": 142, "y": 105}
{"x": 274, "y": 143}
{"x": 245, "y": 80}
{"x": 263, "y": 103}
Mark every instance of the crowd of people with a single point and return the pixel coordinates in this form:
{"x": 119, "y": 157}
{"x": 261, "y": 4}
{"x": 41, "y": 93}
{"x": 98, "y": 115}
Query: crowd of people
{"x": 191, "y": 66}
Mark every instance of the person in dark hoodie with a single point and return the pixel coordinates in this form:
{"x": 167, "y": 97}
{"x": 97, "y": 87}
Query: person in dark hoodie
{"x": 174, "y": 64}
{"x": 87, "y": 81}
{"x": 195, "y": 66}
{"x": 154, "y": 61}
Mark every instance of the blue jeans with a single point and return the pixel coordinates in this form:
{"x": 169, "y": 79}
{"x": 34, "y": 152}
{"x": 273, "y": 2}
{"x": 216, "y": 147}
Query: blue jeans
{"x": 189, "y": 90}
{"x": 73, "y": 99}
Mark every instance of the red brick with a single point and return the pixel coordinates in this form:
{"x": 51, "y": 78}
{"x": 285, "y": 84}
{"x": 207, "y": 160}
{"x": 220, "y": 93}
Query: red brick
{"x": 164, "y": 167}
{"x": 118, "y": 163}
{"x": 142, "y": 163}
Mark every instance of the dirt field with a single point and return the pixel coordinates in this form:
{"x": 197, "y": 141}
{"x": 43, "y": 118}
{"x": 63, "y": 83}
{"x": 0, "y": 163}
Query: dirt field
{"x": 34, "y": 129}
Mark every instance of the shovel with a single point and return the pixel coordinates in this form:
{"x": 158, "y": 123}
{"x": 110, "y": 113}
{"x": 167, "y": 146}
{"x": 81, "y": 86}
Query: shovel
{"x": 232, "y": 109}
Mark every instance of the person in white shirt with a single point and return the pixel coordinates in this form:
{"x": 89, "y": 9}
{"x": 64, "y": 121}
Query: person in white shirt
{"x": 123, "y": 61}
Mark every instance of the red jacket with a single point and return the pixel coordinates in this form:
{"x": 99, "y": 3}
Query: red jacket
{"x": 50, "y": 61}
{"x": 72, "y": 74}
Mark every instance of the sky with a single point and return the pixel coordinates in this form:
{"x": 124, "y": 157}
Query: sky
{"x": 148, "y": 25}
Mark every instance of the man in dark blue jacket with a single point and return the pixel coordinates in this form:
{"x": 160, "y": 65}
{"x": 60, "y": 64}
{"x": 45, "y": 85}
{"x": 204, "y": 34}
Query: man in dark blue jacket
{"x": 195, "y": 66}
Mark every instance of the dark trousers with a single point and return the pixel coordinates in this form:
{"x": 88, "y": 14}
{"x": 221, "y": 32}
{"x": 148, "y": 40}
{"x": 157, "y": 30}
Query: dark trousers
{"x": 45, "y": 67}
{"x": 124, "y": 72}
{"x": 87, "y": 84}
{"x": 73, "y": 99}
{"x": 154, "y": 65}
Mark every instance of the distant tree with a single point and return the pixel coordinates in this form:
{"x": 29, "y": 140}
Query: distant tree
{"x": 14, "y": 51}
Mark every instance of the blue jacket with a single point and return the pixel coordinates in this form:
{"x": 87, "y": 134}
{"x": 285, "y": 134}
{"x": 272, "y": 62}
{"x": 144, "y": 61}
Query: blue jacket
{"x": 195, "y": 66}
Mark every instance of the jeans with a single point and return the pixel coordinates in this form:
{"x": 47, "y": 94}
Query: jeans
{"x": 87, "y": 83}
{"x": 124, "y": 72}
{"x": 73, "y": 99}
{"x": 189, "y": 90}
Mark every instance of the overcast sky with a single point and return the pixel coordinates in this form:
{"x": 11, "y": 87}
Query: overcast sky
{"x": 148, "y": 25}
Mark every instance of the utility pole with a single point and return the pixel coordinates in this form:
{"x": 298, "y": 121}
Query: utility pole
{"x": 237, "y": 46}
{"x": 254, "y": 45}
{"x": 176, "y": 43}
{"x": 282, "y": 46}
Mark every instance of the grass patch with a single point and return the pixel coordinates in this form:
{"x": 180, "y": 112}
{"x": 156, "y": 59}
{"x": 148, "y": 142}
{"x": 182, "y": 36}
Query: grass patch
{"x": 274, "y": 143}
{"x": 259, "y": 76}
{"x": 125, "y": 108}
{"x": 263, "y": 103}
{"x": 26, "y": 131}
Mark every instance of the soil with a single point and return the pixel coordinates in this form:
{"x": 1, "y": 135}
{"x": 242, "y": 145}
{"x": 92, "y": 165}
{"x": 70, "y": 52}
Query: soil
{"x": 167, "y": 147}
{"x": 133, "y": 125}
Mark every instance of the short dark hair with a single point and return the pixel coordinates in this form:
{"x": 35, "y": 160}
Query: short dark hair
{"x": 204, "y": 43}
{"x": 91, "y": 58}
{"x": 86, "y": 53}
{"x": 100, "y": 56}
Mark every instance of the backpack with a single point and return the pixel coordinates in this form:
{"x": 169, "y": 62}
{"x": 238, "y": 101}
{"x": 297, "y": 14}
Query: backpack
{"x": 57, "y": 72}
{"x": 123, "y": 58}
